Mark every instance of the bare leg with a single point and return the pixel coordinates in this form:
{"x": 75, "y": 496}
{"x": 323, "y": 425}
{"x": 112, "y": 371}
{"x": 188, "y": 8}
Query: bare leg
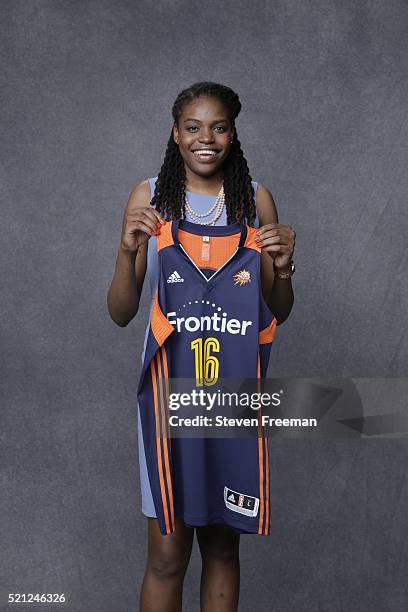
{"x": 168, "y": 558}
{"x": 219, "y": 547}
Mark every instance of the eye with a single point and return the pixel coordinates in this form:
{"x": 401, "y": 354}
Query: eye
{"x": 220, "y": 127}
{"x": 192, "y": 127}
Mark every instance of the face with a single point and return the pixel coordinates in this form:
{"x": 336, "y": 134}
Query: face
{"x": 203, "y": 134}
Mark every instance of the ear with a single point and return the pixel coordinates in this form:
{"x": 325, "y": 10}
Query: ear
{"x": 175, "y": 133}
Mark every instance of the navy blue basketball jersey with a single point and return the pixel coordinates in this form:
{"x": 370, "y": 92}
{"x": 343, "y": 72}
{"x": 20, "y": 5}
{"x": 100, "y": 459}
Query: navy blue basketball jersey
{"x": 209, "y": 321}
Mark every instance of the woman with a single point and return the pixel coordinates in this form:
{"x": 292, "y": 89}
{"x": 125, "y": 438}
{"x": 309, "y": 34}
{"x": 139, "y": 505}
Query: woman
{"x": 204, "y": 179}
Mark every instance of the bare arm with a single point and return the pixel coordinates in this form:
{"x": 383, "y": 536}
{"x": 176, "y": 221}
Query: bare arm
{"x": 278, "y": 293}
{"x": 140, "y": 221}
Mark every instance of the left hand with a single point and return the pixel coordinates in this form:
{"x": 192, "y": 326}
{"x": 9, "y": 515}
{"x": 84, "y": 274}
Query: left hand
{"x": 279, "y": 241}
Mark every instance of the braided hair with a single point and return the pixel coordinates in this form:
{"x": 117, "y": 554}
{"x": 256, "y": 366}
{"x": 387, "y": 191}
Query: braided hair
{"x": 169, "y": 193}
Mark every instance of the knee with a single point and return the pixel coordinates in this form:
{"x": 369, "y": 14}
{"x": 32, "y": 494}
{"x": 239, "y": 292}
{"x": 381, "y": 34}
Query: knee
{"x": 221, "y": 553}
{"x": 167, "y": 566}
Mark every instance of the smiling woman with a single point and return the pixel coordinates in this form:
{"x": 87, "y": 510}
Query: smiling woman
{"x": 204, "y": 152}
{"x": 205, "y": 181}
{"x": 215, "y": 134}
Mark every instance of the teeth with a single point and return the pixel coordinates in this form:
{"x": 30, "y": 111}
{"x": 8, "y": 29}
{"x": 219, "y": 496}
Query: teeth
{"x": 204, "y": 152}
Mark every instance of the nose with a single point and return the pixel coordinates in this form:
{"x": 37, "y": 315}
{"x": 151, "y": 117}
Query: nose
{"x": 206, "y": 135}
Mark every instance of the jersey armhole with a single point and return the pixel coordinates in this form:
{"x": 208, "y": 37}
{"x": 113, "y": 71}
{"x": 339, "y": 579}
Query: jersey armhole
{"x": 264, "y": 304}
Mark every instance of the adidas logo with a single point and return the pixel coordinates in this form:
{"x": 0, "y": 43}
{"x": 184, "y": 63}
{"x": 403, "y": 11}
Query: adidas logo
{"x": 175, "y": 278}
{"x": 231, "y": 497}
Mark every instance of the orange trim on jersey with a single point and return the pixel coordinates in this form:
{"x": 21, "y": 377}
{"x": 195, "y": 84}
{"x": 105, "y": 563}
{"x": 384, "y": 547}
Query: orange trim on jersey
{"x": 221, "y": 248}
{"x": 267, "y": 334}
{"x": 158, "y": 449}
{"x": 260, "y": 457}
{"x": 166, "y": 381}
{"x": 261, "y": 477}
{"x": 159, "y": 323}
{"x": 267, "y": 509}
{"x": 164, "y": 416}
{"x": 164, "y": 238}
{"x": 250, "y": 242}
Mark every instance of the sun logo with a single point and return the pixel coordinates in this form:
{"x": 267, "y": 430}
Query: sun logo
{"x": 242, "y": 277}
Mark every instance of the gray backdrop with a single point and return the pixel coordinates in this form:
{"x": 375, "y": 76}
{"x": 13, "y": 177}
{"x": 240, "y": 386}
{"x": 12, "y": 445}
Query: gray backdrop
{"x": 86, "y": 96}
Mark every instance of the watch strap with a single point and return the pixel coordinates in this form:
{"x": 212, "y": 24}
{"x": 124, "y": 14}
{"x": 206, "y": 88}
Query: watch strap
{"x": 288, "y": 274}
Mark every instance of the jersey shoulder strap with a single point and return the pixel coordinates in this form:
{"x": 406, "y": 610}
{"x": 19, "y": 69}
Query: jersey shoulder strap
{"x": 250, "y": 242}
{"x": 165, "y": 237}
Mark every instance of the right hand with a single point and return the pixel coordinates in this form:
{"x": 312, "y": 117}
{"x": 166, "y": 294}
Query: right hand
{"x": 139, "y": 223}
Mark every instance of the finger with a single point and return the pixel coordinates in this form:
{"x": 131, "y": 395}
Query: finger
{"x": 149, "y": 220}
{"x": 143, "y": 227}
{"x": 276, "y": 248}
{"x": 274, "y": 240}
{"x": 266, "y": 227}
{"x": 157, "y": 219}
{"x": 152, "y": 217}
{"x": 262, "y": 230}
{"x": 279, "y": 239}
{"x": 278, "y": 231}
{"x": 151, "y": 213}
{"x": 279, "y": 227}
{"x": 282, "y": 248}
{"x": 158, "y": 215}
{"x": 268, "y": 234}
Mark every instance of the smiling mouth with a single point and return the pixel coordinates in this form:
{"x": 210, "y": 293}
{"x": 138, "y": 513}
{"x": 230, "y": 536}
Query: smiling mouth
{"x": 205, "y": 154}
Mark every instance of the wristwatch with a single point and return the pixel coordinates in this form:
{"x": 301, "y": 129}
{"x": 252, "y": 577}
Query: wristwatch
{"x": 283, "y": 275}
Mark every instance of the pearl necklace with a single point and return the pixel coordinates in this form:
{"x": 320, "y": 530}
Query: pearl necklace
{"x": 217, "y": 206}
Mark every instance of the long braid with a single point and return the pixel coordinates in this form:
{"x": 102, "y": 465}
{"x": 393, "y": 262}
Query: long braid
{"x": 170, "y": 190}
{"x": 170, "y": 185}
{"x": 239, "y": 196}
